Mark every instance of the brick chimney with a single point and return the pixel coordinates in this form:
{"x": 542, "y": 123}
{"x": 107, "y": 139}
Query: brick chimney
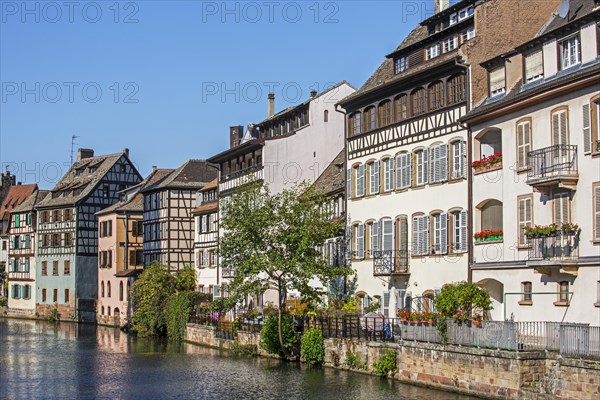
{"x": 126, "y": 151}
{"x": 441, "y": 5}
{"x": 84, "y": 153}
{"x": 236, "y": 133}
{"x": 271, "y": 108}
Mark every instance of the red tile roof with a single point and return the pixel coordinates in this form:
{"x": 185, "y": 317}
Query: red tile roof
{"x": 15, "y": 196}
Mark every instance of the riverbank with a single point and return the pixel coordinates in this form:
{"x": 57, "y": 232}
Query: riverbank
{"x": 493, "y": 374}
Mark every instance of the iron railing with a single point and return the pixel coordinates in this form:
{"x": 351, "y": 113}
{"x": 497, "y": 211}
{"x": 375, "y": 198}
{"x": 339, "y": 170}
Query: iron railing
{"x": 390, "y": 262}
{"x": 228, "y": 272}
{"x": 19, "y": 275}
{"x": 561, "y": 246}
{"x": 551, "y": 162}
{"x": 241, "y": 172}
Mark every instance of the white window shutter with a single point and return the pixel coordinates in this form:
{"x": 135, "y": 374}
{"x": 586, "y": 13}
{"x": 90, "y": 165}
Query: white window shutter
{"x": 360, "y": 180}
{"x": 376, "y": 182}
{"x": 415, "y": 236}
{"x": 433, "y": 164}
{"x": 387, "y": 235}
{"x": 408, "y": 170}
{"x": 443, "y": 161}
{"x": 386, "y": 303}
{"x": 444, "y": 233}
{"x": 360, "y": 240}
{"x": 597, "y": 211}
{"x": 463, "y": 231}
{"x": 464, "y": 159}
{"x": 374, "y": 237}
{"x": 399, "y": 171}
{"x": 425, "y": 165}
{"x": 587, "y": 132}
{"x": 349, "y": 183}
{"x": 348, "y": 242}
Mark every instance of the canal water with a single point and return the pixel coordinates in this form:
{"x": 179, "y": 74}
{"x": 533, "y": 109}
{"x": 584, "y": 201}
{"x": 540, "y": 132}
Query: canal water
{"x": 68, "y": 361}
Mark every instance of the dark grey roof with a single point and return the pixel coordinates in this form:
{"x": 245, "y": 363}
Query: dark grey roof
{"x": 84, "y": 182}
{"x": 192, "y": 175}
{"x": 32, "y": 201}
{"x": 577, "y": 10}
{"x": 333, "y": 178}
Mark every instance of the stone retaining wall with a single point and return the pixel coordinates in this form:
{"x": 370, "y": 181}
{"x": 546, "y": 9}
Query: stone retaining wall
{"x": 488, "y": 373}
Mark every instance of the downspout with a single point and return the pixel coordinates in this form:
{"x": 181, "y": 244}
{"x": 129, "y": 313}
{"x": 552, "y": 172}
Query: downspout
{"x": 345, "y": 188}
{"x": 126, "y": 241}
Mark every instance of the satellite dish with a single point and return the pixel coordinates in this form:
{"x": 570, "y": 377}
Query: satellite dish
{"x": 563, "y": 10}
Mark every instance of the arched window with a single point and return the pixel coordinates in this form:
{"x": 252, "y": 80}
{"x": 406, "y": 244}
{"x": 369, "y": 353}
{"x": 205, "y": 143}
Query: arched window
{"x": 354, "y": 124}
{"x": 326, "y": 116}
{"x": 491, "y": 215}
{"x": 455, "y": 88}
{"x": 369, "y": 119}
{"x": 108, "y": 289}
{"x": 102, "y": 310}
{"x": 128, "y": 289}
{"x": 102, "y": 291}
{"x": 436, "y": 96}
{"x": 116, "y": 312}
{"x": 401, "y": 107}
{"x": 120, "y": 291}
{"x": 385, "y": 113}
{"x": 108, "y": 311}
{"x": 417, "y": 98}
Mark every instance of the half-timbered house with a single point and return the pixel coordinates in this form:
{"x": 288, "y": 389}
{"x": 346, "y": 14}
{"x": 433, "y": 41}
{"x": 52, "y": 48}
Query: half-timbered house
{"x": 206, "y": 242}
{"x": 536, "y": 174}
{"x": 168, "y": 219}
{"x": 6, "y": 181}
{"x": 407, "y": 156}
{"x": 120, "y": 251}
{"x": 67, "y": 258}
{"x": 22, "y": 239}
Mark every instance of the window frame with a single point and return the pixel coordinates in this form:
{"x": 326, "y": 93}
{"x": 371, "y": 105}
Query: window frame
{"x": 561, "y": 60}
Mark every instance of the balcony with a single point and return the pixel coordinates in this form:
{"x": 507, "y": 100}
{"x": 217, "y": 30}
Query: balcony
{"x": 390, "y": 263}
{"x": 228, "y": 273}
{"x": 19, "y": 275}
{"x": 232, "y": 180}
{"x": 554, "y": 166}
{"x": 558, "y": 251}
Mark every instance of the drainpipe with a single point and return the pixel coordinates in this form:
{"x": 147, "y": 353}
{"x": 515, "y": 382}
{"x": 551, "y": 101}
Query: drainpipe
{"x": 345, "y": 186}
{"x": 126, "y": 241}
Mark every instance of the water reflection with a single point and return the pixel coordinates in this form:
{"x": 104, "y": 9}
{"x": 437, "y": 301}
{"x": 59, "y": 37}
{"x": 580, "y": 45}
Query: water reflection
{"x": 40, "y": 360}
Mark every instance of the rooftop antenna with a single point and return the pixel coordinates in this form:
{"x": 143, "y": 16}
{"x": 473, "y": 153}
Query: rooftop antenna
{"x": 73, "y": 146}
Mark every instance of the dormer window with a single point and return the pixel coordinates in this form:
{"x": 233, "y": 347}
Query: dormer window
{"x": 453, "y": 18}
{"x": 468, "y": 34}
{"x": 450, "y": 43}
{"x": 497, "y": 81}
{"x": 569, "y": 52}
{"x": 91, "y": 170}
{"x": 433, "y": 51}
{"x": 401, "y": 64}
{"x": 534, "y": 66}
{"x": 465, "y": 13}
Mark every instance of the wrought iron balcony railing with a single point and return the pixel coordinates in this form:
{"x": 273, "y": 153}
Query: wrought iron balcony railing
{"x": 228, "y": 272}
{"x": 390, "y": 262}
{"x": 561, "y": 246}
{"x": 552, "y": 164}
{"x": 241, "y": 172}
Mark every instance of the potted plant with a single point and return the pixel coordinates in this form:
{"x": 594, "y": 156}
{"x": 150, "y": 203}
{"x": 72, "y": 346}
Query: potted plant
{"x": 487, "y": 162}
{"x": 569, "y": 228}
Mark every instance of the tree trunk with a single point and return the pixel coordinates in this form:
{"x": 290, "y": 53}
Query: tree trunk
{"x": 279, "y": 324}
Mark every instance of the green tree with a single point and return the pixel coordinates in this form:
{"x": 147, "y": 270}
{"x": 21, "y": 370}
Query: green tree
{"x": 272, "y": 241}
{"x": 178, "y": 312}
{"x": 462, "y": 300}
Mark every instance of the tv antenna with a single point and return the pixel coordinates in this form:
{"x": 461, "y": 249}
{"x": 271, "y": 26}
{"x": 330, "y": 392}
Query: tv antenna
{"x": 73, "y": 146}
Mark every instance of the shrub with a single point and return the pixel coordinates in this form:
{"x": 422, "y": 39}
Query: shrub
{"x": 313, "y": 347}
{"x": 463, "y": 299}
{"x": 386, "y": 363}
{"x": 269, "y": 335}
{"x": 247, "y": 350}
{"x": 53, "y": 316}
{"x": 3, "y": 301}
{"x": 353, "y": 360}
{"x": 177, "y": 313}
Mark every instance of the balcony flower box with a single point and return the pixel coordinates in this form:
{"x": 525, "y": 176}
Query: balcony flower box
{"x": 537, "y": 231}
{"x": 489, "y": 235}
{"x": 569, "y": 228}
{"x": 493, "y": 161}
{"x": 416, "y": 318}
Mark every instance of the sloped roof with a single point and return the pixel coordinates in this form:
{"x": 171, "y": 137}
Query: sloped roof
{"x": 193, "y": 174}
{"x": 333, "y": 177}
{"x": 210, "y": 185}
{"x": 35, "y": 198}
{"x": 577, "y": 10}
{"x": 205, "y": 208}
{"x": 84, "y": 181}
{"x": 136, "y": 203}
{"x": 16, "y": 195}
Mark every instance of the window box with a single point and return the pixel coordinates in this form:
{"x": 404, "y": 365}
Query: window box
{"x": 488, "y": 163}
{"x": 489, "y": 235}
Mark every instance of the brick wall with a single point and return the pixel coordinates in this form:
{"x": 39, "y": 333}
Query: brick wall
{"x": 66, "y": 311}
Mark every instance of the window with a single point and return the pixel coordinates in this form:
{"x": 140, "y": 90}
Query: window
{"x": 359, "y": 241}
{"x": 439, "y": 163}
{"x": 68, "y": 214}
{"x": 450, "y": 43}
{"x": 354, "y": 124}
{"x": 43, "y": 295}
{"x": 388, "y": 174}
{"x": 401, "y": 107}
{"x": 523, "y": 143}
{"x": 497, "y": 81}
{"x": 385, "y": 113}
{"x": 17, "y": 220}
{"x": 563, "y": 292}
{"x": 433, "y": 51}
{"x": 121, "y": 291}
{"x": 534, "y": 66}
{"x": 213, "y": 258}
{"x": 137, "y": 228}
{"x": 374, "y": 181}
{"x": 326, "y": 116}
{"x": 106, "y": 191}
{"x": 401, "y": 64}
{"x": 596, "y": 216}
{"x": 560, "y": 127}
{"x": 67, "y": 267}
{"x": 459, "y": 231}
{"x": 458, "y": 159}
{"x": 387, "y": 234}
{"x": 27, "y": 241}
{"x": 359, "y": 180}
{"x": 44, "y": 268}
{"x": 369, "y": 120}
{"x": 525, "y": 217}
{"x": 569, "y": 52}
{"x": 108, "y": 289}
{"x": 102, "y": 289}
{"x": 68, "y": 239}
{"x": 374, "y": 238}
{"x": 55, "y": 295}
{"x": 562, "y": 208}
{"x": 66, "y": 295}
{"x": 453, "y": 18}
{"x": 526, "y": 289}
{"x": 55, "y": 268}
{"x": 440, "y": 233}
{"x": 45, "y": 217}
{"x": 56, "y": 216}
{"x": 403, "y": 170}
{"x": 467, "y": 34}
{"x": 418, "y": 102}
{"x": 420, "y": 227}
{"x": 421, "y": 170}
{"x": 436, "y": 96}
{"x": 491, "y": 215}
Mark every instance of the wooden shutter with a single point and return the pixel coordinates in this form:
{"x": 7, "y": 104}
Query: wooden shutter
{"x": 561, "y": 208}
{"x": 374, "y": 237}
{"x": 376, "y": 181}
{"x": 433, "y": 163}
{"x": 425, "y": 165}
{"x": 360, "y": 241}
{"x": 415, "y": 236}
{"x": 349, "y": 183}
{"x": 597, "y": 211}
{"x": 402, "y": 238}
{"x": 399, "y": 170}
{"x": 444, "y": 233}
{"x": 443, "y": 162}
{"x": 389, "y": 174}
{"x": 132, "y": 258}
{"x": 525, "y": 218}
{"x": 560, "y": 133}
{"x": 523, "y": 143}
{"x": 387, "y": 233}
{"x": 424, "y": 234}
{"x": 463, "y": 232}
{"x": 360, "y": 181}
{"x": 587, "y": 130}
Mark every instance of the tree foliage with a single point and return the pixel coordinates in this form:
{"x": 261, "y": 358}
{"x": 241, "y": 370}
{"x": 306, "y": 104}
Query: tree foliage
{"x": 272, "y": 241}
{"x": 462, "y": 299}
{"x": 178, "y": 312}
{"x": 313, "y": 347}
{"x": 269, "y": 335}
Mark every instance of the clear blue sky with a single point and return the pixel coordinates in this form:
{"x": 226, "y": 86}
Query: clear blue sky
{"x": 162, "y": 66}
